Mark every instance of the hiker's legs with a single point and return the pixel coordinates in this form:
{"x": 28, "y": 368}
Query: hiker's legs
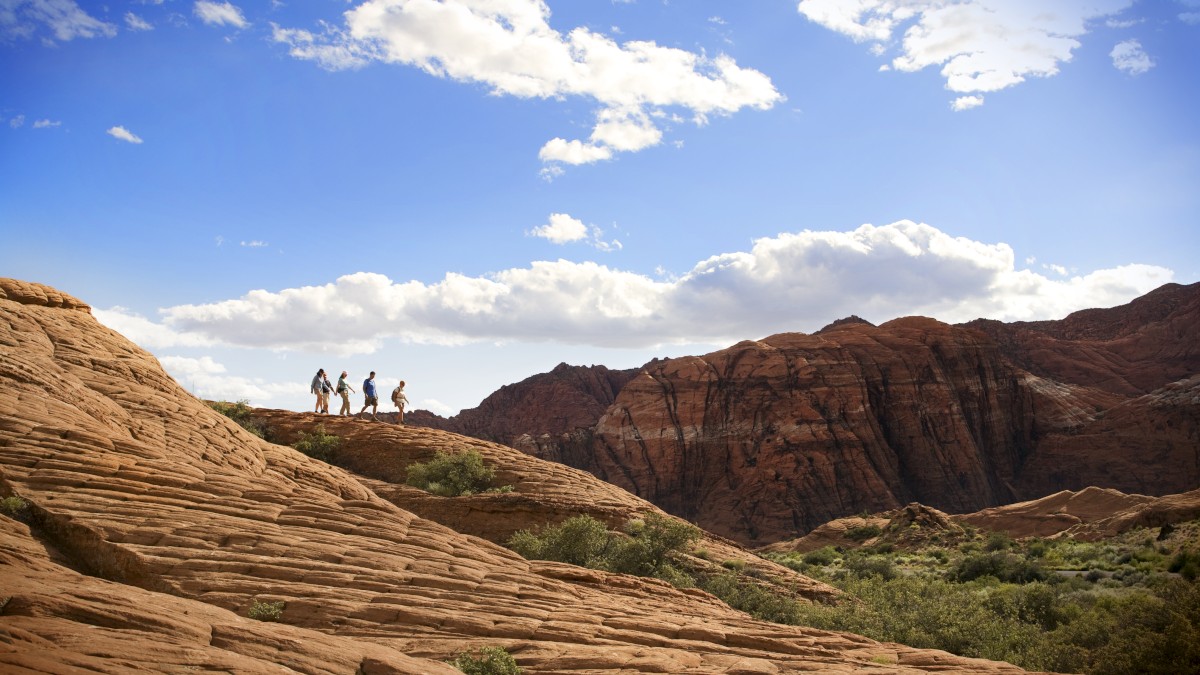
{"x": 345, "y": 403}
{"x": 318, "y": 408}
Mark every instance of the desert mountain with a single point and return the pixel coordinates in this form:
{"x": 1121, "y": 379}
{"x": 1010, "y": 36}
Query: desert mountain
{"x": 154, "y": 524}
{"x": 769, "y": 439}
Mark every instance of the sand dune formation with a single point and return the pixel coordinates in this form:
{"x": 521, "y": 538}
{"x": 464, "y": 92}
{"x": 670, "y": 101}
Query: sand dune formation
{"x": 155, "y": 523}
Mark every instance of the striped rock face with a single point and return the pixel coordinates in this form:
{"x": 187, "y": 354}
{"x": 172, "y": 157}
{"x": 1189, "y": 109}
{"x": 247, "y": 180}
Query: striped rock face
{"x": 153, "y": 526}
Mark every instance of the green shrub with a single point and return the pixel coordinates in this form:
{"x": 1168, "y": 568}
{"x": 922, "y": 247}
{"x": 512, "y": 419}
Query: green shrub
{"x": 266, "y": 611}
{"x": 822, "y": 557}
{"x": 487, "y": 661}
{"x": 580, "y": 540}
{"x": 241, "y": 413}
{"x": 734, "y": 590}
{"x": 1006, "y": 567}
{"x": 648, "y": 548}
{"x": 452, "y": 474}
{"x": 863, "y": 566}
{"x": 734, "y": 564}
{"x": 13, "y": 506}
{"x": 318, "y": 445}
{"x": 863, "y": 533}
{"x": 998, "y": 541}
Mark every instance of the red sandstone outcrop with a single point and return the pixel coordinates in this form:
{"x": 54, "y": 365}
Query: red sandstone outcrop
{"x": 769, "y": 439}
{"x": 1130, "y": 350}
{"x": 156, "y": 523}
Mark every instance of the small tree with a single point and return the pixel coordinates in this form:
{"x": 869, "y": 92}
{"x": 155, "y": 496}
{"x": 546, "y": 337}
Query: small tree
{"x": 452, "y": 475}
{"x": 241, "y": 413}
{"x": 487, "y": 661}
{"x": 318, "y": 444}
{"x": 580, "y": 540}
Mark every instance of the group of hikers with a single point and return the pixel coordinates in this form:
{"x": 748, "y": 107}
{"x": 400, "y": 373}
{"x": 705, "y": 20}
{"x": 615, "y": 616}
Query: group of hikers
{"x": 322, "y": 388}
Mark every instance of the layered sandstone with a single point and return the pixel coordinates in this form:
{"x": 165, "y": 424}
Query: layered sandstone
{"x": 769, "y": 439}
{"x": 155, "y": 523}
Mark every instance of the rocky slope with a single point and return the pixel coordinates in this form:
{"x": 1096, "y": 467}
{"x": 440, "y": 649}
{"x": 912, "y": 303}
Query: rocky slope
{"x": 154, "y": 524}
{"x": 769, "y": 439}
{"x": 1091, "y": 514}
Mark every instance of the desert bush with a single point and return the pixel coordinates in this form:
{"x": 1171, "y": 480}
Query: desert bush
{"x": 869, "y": 565}
{"x": 737, "y": 592}
{"x": 580, "y": 540}
{"x": 240, "y": 412}
{"x": 998, "y": 541}
{"x": 266, "y": 611}
{"x": 318, "y": 444}
{"x": 1186, "y": 564}
{"x": 486, "y": 661}
{"x": 649, "y": 547}
{"x": 821, "y": 557}
{"x": 1007, "y": 567}
{"x": 452, "y": 474}
{"x": 13, "y": 506}
{"x": 862, "y": 533}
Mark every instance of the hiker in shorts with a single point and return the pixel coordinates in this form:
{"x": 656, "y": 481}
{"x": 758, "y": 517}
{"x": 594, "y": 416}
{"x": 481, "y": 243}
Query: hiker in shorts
{"x": 400, "y": 400}
{"x": 343, "y": 390}
{"x": 316, "y": 387}
{"x": 370, "y": 400}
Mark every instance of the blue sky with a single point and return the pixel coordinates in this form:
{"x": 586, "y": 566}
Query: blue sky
{"x": 462, "y": 193}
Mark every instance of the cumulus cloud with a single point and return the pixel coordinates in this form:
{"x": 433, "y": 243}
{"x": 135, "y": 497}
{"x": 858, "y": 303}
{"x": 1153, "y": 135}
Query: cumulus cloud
{"x": 561, "y": 229}
{"x": 46, "y": 124}
{"x": 980, "y": 45}
{"x": 966, "y": 103}
{"x": 123, "y": 134}
{"x": 219, "y": 14}
{"x": 64, "y": 18}
{"x": 1129, "y": 57}
{"x": 147, "y": 333}
{"x": 206, "y": 378}
{"x": 793, "y": 281}
{"x": 17, "y": 122}
{"x": 510, "y": 47}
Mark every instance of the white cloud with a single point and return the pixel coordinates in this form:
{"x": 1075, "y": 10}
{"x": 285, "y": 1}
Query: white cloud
{"x": 1192, "y": 18}
{"x": 437, "y": 407}
{"x": 966, "y": 103}
{"x": 219, "y": 13}
{"x": 794, "y": 281}
{"x": 1129, "y": 57}
{"x": 46, "y": 124}
{"x": 981, "y": 45}
{"x": 136, "y": 22}
{"x": 145, "y": 332}
{"x": 123, "y": 134}
{"x": 65, "y": 19}
{"x": 1123, "y": 23}
{"x": 1057, "y": 269}
{"x": 17, "y": 122}
{"x": 253, "y": 244}
{"x": 208, "y": 379}
{"x": 509, "y": 46}
{"x": 561, "y": 229}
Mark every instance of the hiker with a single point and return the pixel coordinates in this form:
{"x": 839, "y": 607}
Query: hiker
{"x": 343, "y": 390}
{"x": 369, "y": 398}
{"x": 326, "y": 390}
{"x": 399, "y": 399}
{"x": 316, "y": 387}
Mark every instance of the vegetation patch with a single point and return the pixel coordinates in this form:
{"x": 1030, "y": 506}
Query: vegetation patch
{"x": 649, "y": 547}
{"x": 486, "y": 661}
{"x": 454, "y": 474}
{"x": 319, "y": 445}
{"x": 266, "y": 611}
{"x": 1118, "y": 606}
{"x": 13, "y": 506}
{"x": 242, "y": 413}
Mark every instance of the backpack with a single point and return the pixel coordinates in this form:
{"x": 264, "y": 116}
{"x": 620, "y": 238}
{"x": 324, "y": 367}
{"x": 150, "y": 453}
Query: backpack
{"x": 398, "y": 396}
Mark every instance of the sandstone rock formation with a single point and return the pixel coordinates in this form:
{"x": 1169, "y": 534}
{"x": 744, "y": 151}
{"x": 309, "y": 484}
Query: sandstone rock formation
{"x": 155, "y": 524}
{"x": 769, "y": 439}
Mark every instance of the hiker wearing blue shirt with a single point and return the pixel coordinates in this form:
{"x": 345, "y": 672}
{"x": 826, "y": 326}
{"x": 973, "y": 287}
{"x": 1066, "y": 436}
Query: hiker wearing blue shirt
{"x": 369, "y": 396}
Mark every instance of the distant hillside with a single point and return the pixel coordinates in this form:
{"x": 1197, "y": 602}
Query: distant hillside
{"x": 768, "y": 439}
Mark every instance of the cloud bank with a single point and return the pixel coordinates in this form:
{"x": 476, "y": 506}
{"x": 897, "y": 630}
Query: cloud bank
{"x": 64, "y": 18}
{"x": 509, "y": 46}
{"x": 793, "y": 281}
{"x": 981, "y": 45}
